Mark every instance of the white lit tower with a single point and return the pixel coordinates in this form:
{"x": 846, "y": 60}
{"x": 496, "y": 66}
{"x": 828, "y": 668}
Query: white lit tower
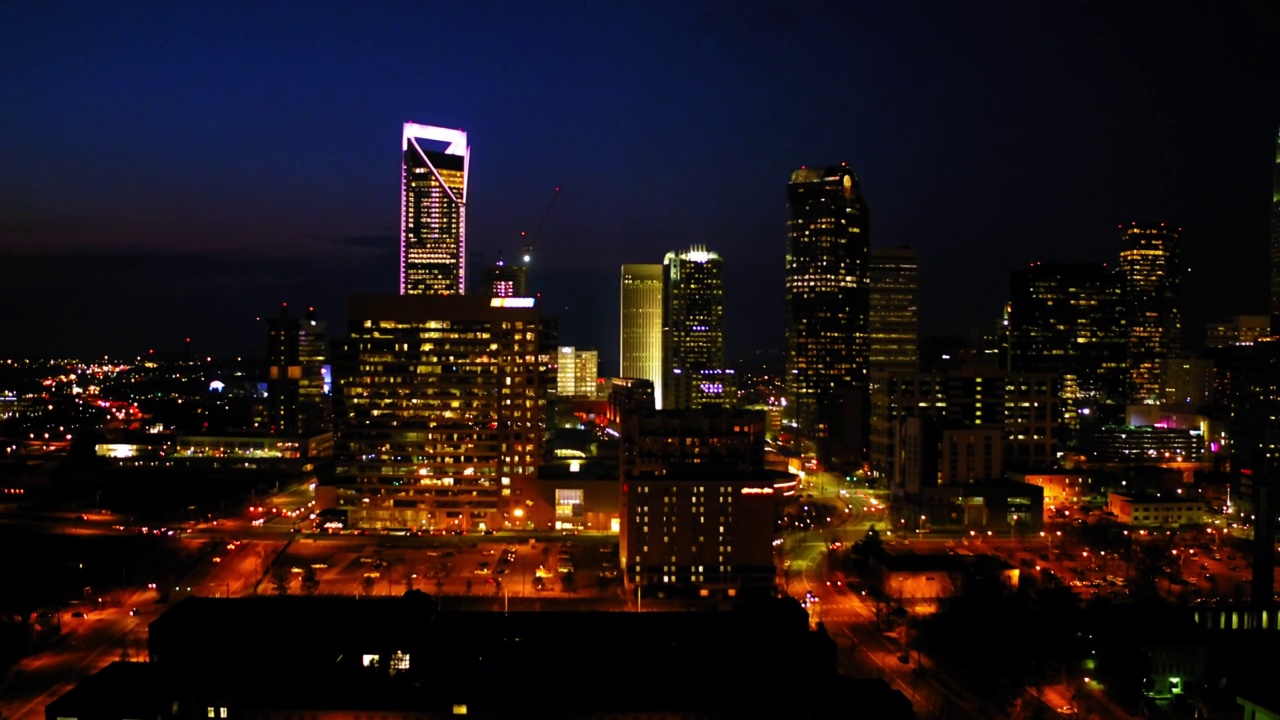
{"x": 433, "y": 210}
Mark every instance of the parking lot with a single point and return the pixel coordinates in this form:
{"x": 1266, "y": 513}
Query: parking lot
{"x": 455, "y": 566}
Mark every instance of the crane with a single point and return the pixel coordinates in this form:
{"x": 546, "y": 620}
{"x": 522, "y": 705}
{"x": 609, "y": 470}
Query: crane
{"x": 526, "y": 248}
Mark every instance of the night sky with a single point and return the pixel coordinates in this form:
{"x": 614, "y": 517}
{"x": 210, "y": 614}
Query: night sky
{"x": 179, "y": 169}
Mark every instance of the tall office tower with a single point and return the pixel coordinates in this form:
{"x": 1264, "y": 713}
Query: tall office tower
{"x": 1275, "y": 242}
{"x": 895, "y": 309}
{"x": 1255, "y": 452}
{"x": 445, "y": 412}
{"x": 586, "y": 374}
{"x": 297, "y": 375}
{"x": 504, "y": 279}
{"x": 828, "y": 304}
{"x": 1150, "y": 269}
{"x": 693, "y": 330}
{"x": 1066, "y": 319}
{"x": 433, "y": 211}
{"x": 576, "y": 372}
{"x": 642, "y": 325}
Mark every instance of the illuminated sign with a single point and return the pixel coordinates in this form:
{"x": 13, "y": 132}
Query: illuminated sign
{"x": 511, "y": 302}
{"x": 757, "y": 491}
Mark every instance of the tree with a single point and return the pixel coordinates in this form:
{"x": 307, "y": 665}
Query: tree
{"x": 309, "y": 583}
{"x": 280, "y": 580}
{"x": 870, "y": 547}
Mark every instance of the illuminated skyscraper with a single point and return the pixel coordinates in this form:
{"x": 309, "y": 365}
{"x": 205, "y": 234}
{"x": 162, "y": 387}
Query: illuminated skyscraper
{"x": 895, "y": 309}
{"x": 642, "y": 325}
{"x": 433, "y": 211}
{"x": 1150, "y": 268}
{"x": 693, "y": 330}
{"x": 577, "y": 372}
{"x": 1066, "y": 319}
{"x": 828, "y": 304}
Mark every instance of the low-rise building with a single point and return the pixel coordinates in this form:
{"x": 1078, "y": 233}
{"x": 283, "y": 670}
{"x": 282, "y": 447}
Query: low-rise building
{"x": 1155, "y": 510}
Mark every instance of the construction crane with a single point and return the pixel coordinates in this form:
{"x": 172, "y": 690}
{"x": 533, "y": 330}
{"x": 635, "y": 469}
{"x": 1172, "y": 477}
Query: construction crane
{"x": 527, "y": 244}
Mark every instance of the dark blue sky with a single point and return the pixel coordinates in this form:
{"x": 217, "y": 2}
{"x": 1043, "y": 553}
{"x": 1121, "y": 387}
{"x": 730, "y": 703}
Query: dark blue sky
{"x": 179, "y": 169}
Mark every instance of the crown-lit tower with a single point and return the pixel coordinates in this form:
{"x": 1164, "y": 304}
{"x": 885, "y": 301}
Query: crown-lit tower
{"x": 1150, "y": 269}
{"x": 693, "y": 330}
{"x": 828, "y": 308}
{"x": 433, "y": 211}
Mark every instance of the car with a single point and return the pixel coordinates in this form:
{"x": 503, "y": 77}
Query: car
{"x": 481, "y": 571}
{"x": 1235, "y": 568}
{"x": 500, "y": 571}
{"x": 134, "y": 612}
{"x": 77, "y": 615}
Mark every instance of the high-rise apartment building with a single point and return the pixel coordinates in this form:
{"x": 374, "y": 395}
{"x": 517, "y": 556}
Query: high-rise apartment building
{"x": 444, "y": 412}
{"x": 433, "y": 211}
{"x": 693, "y": 330}
{"x": 297, "y": 375}
{"x": 1066, "y": 319}
{"x": 641, "y": 350}
{"x": 1150, "y": 267}
{"x": 828, "y": 304}
{"x": 894, "y": 318}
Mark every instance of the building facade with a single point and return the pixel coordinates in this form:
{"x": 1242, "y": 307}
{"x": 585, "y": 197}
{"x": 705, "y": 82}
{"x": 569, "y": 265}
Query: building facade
{"x": 1025, "y": 407}
{"x": 641, "y": 336}
{"x": 894, "y": 319}
{"x": 693, "y": 330}
{"x": 444, "y": 412}
{"x": 828, "y": 304}
{"x": 1155, "y": 511}
{"x": 577, "y": 372}
{"x": 1239, "y": 330}
{"x": 433, "y": 211}
{"x": 1066, "y": 319}
{"x": 697, "y": 505}
{"x": 298, "y": 380}
{"x": 1150, "y": 266}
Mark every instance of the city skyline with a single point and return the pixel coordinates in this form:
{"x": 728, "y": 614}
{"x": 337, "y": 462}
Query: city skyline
{"x": 1110, "y": 117}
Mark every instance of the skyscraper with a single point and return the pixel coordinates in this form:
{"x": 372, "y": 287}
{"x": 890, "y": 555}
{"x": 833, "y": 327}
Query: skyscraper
{"x": 504, "y": 279}
{"x": 1066, "y": 319}
{"x": 297, "y": 386}
{"x": 641, "y": 350}
{"x": 895, "y": 309}
{"x": 828, "y": 304}
{"x": 693, "y": 330}
{"x": 577, "y": 370}
{"x": 433, "y": 211}
{"x": 1150, "y": 268}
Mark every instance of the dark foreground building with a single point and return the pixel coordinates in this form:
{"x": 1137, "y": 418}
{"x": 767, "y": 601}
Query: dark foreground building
{"x": 403, "y": 658}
